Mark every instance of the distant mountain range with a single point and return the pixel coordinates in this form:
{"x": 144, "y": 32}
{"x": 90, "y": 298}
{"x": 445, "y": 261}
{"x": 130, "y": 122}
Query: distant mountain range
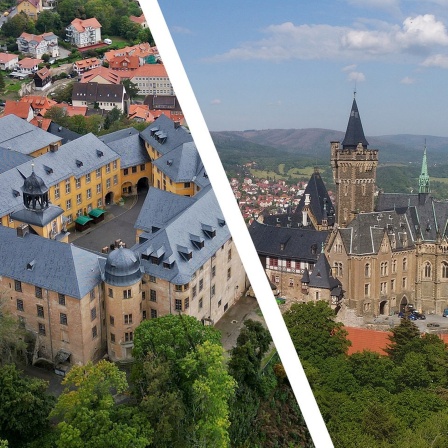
{"x": 314, "y": 143}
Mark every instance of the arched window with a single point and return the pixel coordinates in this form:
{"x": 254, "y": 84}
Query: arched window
{"x": 367, "y": 270}
{"x": 444, "y": 269}
{"x": 337, "y": 269}
{"x": 427, "y": 271}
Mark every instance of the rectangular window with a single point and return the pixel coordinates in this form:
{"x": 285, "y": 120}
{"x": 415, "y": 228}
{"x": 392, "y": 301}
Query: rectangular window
{"x": 110, "y": 292}
{"x": 78, "y": 198}
{"x": 194, "y": 291}
{"x": 229, "y": 255}
{"x": 367, "y": 289}
{"x": 61, "y": 298}
{"x": 20, "y": 305}
{"x": 125, "y": 171}
{"x": 18, "y": 285}
{"x": 186, "y": 184}
{"x": 42, "y": 329}
{"x": 107, "y": 183}
{"x": 89, "y": 193}
{"x": 178, "y": 287}
{"x": 128, "y": 319}
{"x": 114, "y": 164}
{"x": 178, "y": 305}
{"x": 98, "y": 189}
{"x": 68, "y": 204}
{"x": 213, "y": 291}
{"x": 115, "y": 179}
{"x": 108, "y": 168}
{"x": 127, "y": 293}
{"x": 201, "y": 284}
{"x": 187, "y": 303}
{"x": 144, "y": 314}
{"x": 152, "y": 279}
{"x": 98, "y": 172}
{"x": 134, "y": 169}
{"x": 288, "y": 264}
{"x": 404, "y": 282}
{"x": 219, "y": 303}
{"x": 40, "y": 311}
{"x": 153, "y": 313}
{"x": 142, "y": 167}
{"x": 99, "y": 203}
{"x": 112, "y": 337}
{"x": 56, "y": 191}
{"x": 63, "y": 319}
{"x": 200, "y": 303}
{"x": 38, "y": 292}
{"x": 129, "y": 336}
{"x": 67, "y": 186}
{"x": 213, "y": 271}
{"x": 87, "y": 178}
{"x": 93, "y": 313}
{"x": 78, "y": 183}
{"x": 152, "y": 295}
{"x": 229, "y": 273}
{"x": 94, "y": 332}
{"x": 112, "y": 321}
{"x": 392, "y": 285}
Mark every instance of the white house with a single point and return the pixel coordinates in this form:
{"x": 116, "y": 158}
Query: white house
{"x": 84, "y": 33}
{"x": 8, "y": 61}
{"x": 36, "y": 46}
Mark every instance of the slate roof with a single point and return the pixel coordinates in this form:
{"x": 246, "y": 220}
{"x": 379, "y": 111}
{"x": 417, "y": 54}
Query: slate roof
{"x": 297, "y": 243}
{"x": 57, "y": 266}
{"x": 37, "y": 217}
{"x": 128, "y": 144}
{"x": 321, "y": 276}
{"x": 94, "y": 92}
{"x": 182, "y": 226}
{"x": 66, "y": 134}
{"x": 354, "y": 133}
{"x": 11, "y": 159}
{"x": 428, "y": 217}
{"x": 183, "y": 164}
{"x": 175, "y": 136}
{"x": 54, "y": 167}
{"x": 365, "y": 233}
{"x": 167, "y": 102}
{"x": 320, "y": 202}
{"x": 22, "y": 136}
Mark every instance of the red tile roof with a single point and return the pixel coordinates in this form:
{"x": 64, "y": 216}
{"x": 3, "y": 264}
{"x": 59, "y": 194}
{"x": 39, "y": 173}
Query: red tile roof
{"x": 365, "y": 339}
{"x": 112, "y": 77}
{"x": 141, "y": 19}
{"x": 80, "y": 25}
{"x": 17, "y": 108}
{"x": 150, "y": 71}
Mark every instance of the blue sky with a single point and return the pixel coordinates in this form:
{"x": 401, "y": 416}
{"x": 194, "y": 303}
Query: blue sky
{"x": 295, "y": 64}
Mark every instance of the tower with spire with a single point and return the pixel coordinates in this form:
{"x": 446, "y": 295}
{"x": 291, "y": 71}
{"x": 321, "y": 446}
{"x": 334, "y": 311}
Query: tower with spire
{"x": 423, "y": 180}
{"x": 354, "y": 170}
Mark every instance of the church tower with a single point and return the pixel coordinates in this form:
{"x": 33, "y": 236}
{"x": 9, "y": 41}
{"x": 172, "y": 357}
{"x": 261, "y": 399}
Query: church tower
{"x": 354, "y": 171}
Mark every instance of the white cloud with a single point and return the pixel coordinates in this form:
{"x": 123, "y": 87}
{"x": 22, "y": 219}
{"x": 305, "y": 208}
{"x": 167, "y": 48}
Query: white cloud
{"x": 215, "y": 101}
{"x": 407, "y": 80}
{"x": 417, "y": 36}
{"x": 356, "y": 76}
{"x": 349, "y": 68}
{"x": 436, "y": 60}
{"x": 180, "y": 30}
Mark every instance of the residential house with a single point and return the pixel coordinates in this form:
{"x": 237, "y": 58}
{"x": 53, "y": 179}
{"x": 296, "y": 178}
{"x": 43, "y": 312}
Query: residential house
{"x": 18, "y": 109}
{"x": 139, "y": 20}
{"x": 37, "y": 46}
{"x": 42, "y": 79}
{"x": 144, "y": 51}
{"x": 101, "y": 75}
{"x": 40, "y": 104}
{"x": 8, "y": 61}
{"x": 128, "y": 63}
{"x": 140, "y": 113}
{"x": 101, "y": 96}
{"x": 31, "y": 8}
{"x": 85, "y": 65}
{"x": 28, "y": 66}
{"x": 84, "y": 33}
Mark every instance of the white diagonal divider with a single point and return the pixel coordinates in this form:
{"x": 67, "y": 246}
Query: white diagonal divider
{"x": 235, "y": 221}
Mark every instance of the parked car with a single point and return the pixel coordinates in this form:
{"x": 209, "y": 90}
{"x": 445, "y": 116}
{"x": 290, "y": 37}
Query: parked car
{"x": 418, "y": 315}
{"x": 445, "y": 312}
{"x": 432, "y": 324}
{"x": 108, "y": 41}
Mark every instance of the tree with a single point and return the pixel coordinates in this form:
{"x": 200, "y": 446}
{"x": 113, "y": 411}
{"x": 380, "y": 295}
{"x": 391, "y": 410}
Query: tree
{"x": 171, "y": 337}
{"x": 131, "y": 88}
{"x": 58, "y": 115}
{"x": 88, "y": 415}
{"x": 48, "y": 21}
{"x": 24, "y": 407}
{"x": 113, "y": 116}
{"x": 314, "y": 332}
{"x": 16, "y": 25}
{"x": 63, "y": 94}
{"x": 210, "y": 388}
{"x": 12, "y": 336}
{"x": 2, "y": 81}
{"x": 404, "y": 339}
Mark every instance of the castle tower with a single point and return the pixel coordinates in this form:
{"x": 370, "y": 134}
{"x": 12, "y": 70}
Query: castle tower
{"x": 423, "y": 180}
{"x": 354, "y": 171}
{"x": 122, "y": 276}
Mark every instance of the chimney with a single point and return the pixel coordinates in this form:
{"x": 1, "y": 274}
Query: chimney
{"x": 39, "y": 123}
{"x": 23, "y": 230}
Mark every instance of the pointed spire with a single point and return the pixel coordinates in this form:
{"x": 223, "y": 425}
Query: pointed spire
{"x": 354, "y": 133}
{"x": 423, "y": 180}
